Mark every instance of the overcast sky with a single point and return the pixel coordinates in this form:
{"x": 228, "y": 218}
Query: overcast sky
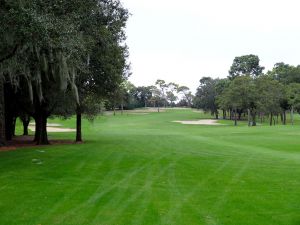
{"x": 182, "y": 41}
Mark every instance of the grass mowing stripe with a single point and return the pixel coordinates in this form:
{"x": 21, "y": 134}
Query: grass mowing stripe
{"x": 145, "y": 169}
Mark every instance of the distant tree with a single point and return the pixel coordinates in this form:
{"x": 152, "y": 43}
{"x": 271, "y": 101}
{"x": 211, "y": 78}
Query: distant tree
{"x": 186, "y": 93}
{"x": 271, "y": 93}
{"x": 171, "y": 92}
{"x": 206, "y": 96}
{"x": 221, "y": 86}
{"x": 162, "y": 85}
{"x": 245, "y": 65}
{"x": 293, "y": 96}
{"x": 241, "y": 94}
{"x": 157, "y": 97}
{"x": 285, "y": 73}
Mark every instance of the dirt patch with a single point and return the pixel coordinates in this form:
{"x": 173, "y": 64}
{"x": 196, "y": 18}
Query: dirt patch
{"x": 200, "y": 122}
{"x": 27, "y": 141}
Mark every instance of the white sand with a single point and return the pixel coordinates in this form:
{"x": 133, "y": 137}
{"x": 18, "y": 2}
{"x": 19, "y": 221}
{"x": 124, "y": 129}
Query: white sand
{"x": 52, "y": 127}
{"x": 200, "y": 122}
{"x": 48, "y": 124}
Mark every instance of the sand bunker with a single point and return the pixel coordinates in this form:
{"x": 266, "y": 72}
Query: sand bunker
{"x": 48, "y": 124}
{"x": 52, "y": 127}
{"x": 200, "y": 122}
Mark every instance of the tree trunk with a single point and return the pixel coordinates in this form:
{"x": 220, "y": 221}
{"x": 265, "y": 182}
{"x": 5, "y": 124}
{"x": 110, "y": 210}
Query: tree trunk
{"x": 249, "y": 122}
{"x": 2, "y": 113}
{"x": 41, "y": 115}
{"x": 271, "y": 119}
{"x": 9, "y": 111}
{"x": 253, "y": 119}
{"x": 78, "y": 125}
{"x": 217, "y": 115}
{"x": 122, "y": 107}
{"x": 292, "y": 115}
{"x": 284, "y": 117}
{"x": 37, "y": 128}
{"x": 25, "y": 126}
{"x": 235, "y": 118}
{"x": 8, "y": 126}
{"x": 14, "y": 127}
{"x": 41, "y": 133}
{"x": 224, "y": 114}
{"x": 240, "y": 114}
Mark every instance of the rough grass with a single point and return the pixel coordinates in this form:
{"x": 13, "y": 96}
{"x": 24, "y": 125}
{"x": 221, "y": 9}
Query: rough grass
{"x": 145, "y": 169}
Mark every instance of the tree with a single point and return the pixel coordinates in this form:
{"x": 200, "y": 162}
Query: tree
{"x": 106, "y": 63}
{"x": 239, "y": 95}
{"x": 293, "y": 97}
{"x": 142, "y": 96}
{"x": 221, "y": 86}
{"x": 157, "y": 97}
{"x": 185, "y": 91}
{"x": 285, "y": 73}
{"x": 163, "y": 86}
{"x": 206, "y": 96}
{"x": 245, "y": 65}
{"x": 271, "y": 93}
{"x": 170, "y": 94}
{"x": 53, "y": 43}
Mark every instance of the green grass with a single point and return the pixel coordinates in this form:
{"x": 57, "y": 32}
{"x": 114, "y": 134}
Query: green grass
{"x": 144, "y": 169}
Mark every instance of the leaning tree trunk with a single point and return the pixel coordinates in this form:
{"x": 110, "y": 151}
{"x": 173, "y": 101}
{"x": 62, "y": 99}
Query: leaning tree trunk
{"x": 2, "y": 113}
{"x": 78, "y": 125}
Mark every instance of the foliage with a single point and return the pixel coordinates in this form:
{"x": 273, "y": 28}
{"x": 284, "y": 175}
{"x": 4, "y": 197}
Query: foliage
{"x": 245, "y": 65}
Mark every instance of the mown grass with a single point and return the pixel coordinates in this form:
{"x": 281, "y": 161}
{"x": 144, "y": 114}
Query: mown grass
{"x": 145, "y": 169}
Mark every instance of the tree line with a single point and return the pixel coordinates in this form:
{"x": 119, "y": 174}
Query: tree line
{"x": 160, "y": 94}
{"x": 248, "y": 93}
{"x": 59, "y": 57}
